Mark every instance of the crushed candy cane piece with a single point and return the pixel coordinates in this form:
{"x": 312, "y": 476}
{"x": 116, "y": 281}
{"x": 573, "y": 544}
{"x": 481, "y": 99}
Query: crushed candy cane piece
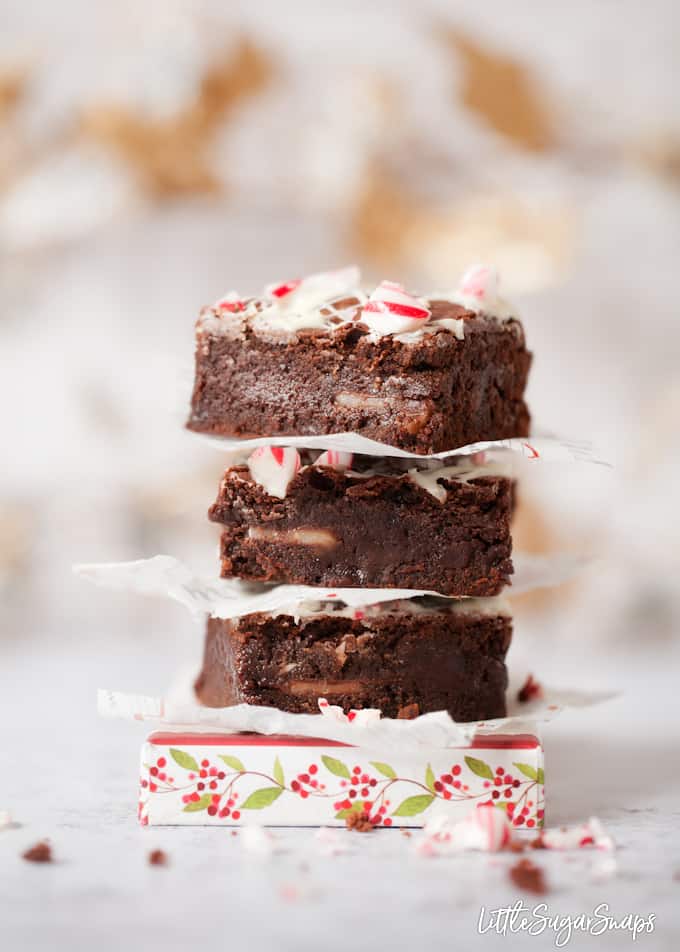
{"x": 274, "y": 467}
{"x": 484, "y": 828}
{"x": 316, "y": 289}
{"x": 369, "y": 715}
{"x": 255, "y": 839}
{"x": 479, "y": 282}
{"x": 336, "y": 459}
{"x": 331, "y": 842}
{"x": 231, "y": 301}
{"x": 531, "y": 690}
{"x": 392, "y": 310}
{"x": 5, "y": 819}
{"x": 587, "y": 834}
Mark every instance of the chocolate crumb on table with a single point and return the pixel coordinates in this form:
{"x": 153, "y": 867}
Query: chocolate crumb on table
{"x": 359, "y": 822}
{"x": 318, "y": 356}
{"x": 40, "y": 853}
{"x": 528, "y": 876}
{"x": 158, "y": 858}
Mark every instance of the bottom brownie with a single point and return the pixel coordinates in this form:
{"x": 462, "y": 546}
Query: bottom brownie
{"x": 404, "y": 657}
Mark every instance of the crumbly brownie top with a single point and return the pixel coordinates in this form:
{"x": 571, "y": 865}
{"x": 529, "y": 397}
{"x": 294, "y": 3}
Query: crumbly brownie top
{"x": 274, "y": 468}
{"x": 330, "y": 303}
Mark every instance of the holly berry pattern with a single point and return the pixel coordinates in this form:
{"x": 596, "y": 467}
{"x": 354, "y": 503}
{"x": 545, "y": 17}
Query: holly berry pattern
{"x": 223, "y": 788}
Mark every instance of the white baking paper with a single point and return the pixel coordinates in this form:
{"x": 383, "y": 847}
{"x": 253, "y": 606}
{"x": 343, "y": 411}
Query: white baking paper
{"x": 231, "y": 598}
{"x": 180, "y": 711}
{"x": 533, "y": 449}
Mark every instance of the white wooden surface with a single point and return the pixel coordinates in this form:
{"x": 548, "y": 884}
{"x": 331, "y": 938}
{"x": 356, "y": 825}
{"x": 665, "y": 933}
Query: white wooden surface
{"x": 70, "y": 777}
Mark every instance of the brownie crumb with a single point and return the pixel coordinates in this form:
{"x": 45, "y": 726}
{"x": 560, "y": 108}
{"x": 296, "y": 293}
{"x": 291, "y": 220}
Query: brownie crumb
{"x": 158, "y": 858}
{"x": 528, "y": 876}
{"x": 518, "y": 846}
{"x": 408, "y": 712}
{"x": 40, "y": 853}
{"x": 359, "y": 822}
{"x": 531, "y": 690}
{"x": 406, "y": 833}
{"x": 538, "y": 843}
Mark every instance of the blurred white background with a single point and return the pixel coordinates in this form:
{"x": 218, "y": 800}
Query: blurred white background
{"x": 154, "y": 155}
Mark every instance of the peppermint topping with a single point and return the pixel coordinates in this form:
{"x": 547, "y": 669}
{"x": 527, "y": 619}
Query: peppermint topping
{"x": 274, "y": 467}
{"x": 478, "y": 291}
{"x": 336, "y": 459}
{"x": 231, "y": 302}
{"x": 484, "y": 828}
{"x": 392, "y": 310}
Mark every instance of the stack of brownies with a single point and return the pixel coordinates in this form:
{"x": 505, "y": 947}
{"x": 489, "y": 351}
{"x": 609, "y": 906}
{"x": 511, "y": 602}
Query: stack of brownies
{"x": 423, "y": 376}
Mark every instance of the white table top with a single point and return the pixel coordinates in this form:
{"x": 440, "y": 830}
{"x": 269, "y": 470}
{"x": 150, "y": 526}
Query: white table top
{"x": 72, "y": 778}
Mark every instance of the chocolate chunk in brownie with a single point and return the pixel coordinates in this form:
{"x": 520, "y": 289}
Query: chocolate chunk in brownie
{"x": 263, "y": 371}
{"x": 440, "y": 526}
{"x": 435, "y": 653}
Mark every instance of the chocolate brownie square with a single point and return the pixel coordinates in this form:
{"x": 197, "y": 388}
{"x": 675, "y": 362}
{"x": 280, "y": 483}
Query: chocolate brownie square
{"x": 423, "y": 375}
{"x": 442, "y": 526}
{"x": 404, "y": 657}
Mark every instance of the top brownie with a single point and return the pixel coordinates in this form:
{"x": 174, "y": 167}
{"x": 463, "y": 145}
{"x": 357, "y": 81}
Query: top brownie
{"x": 314, "y": 357}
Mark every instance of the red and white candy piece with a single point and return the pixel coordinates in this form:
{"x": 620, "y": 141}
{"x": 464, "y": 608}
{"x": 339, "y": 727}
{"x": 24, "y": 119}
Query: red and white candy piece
{"x": 369, "y": 715}
{"x": 231, "y": 301}
{"x": 336, "y": 459}
{"x": 392, "y": 310}
{"x": 484, "y": 828}
{"x": 587, "y": 834}
{"x": 274, "y": 467}
{"x": 316, "y": 289}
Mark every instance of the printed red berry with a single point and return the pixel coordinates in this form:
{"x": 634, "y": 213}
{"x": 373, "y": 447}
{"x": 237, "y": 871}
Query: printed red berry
{"x": 525, "y": 811}
{"x": 236, "y": 815}
{"x": 508, "y": 792}
{"x": 530, "y": 803}
{"x": 372, "y": 782}
{"x": 314, "y": 783}
{"x": 205, "y": 763}
{"x": 510, "y": 808}
{"x": 382, "y": 811}
{"x": 356, "y": 770}
{"x": 495, "y": 794}
{"x": 507, "y": 778}
{"x": 213, "y": 785}
{"x": 531, "y": 822}
{"x": 447, "y": 794}
{"x": 312, "y": 768}
{"x": 387, "y": 821}
{"x": 337, "y": 806}
{"x": 212, "y": 810}
{"x": 215, "y": 798}
{"x": 225, "y": 812}
{"x": 500, "y": 770}
{"x": 438, "y": 786}
{"x": 230, "y": 802}
{"x": 195, "y": 797}
{"x": 518, "y": 821}
{"x": 212, "y": 772}
{"x": 364, "y": 778}
{"x": 161, "y": 762}
{"x": 352, "y": 793}
{"x": 144, "y": 783}
{"x": 221, "y": 775}
{"x": 446, "y": 778}
{"x": 161, "y": 776}
{"x": 364, "y": 791}
{"x": 355, "y": 780}
{"x": 153, "y": 771}
{"x": 497, "y": 781}
{"x": 304, "y": 794}
{"x": 539, "y": 814}
{"x": 295, "y": 785}
{"x": 203, "y": 774}
{"x": 200, "y": 786}
{"x": 152, "y": 787}
{"x": 515, "y": 783}
{"x": 455, "y": 770}
{"x": 303, "y": 777}
{"x": 457, "y": 784}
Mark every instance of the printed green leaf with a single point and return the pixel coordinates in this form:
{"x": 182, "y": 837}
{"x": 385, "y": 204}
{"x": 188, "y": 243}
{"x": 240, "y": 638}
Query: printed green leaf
{"x": 429, "y": 778}
{"x": 184, "y": 760}
{"x": 264, "y": 797}
{"x": 197, "y": 805}
{"x": 384, "y": 769}
{"x": 412, "y": 806}
{"x": 527, "y": 770}
{"x": 540, "y": 776}
{"x": 355, "y": 808}
{"x": 502, "y": 804}
{"x": 479, "y": 768}
{"x": 233, "y": 762}
{"x": 336, "y": 767}
{"x": 278, "y": 772}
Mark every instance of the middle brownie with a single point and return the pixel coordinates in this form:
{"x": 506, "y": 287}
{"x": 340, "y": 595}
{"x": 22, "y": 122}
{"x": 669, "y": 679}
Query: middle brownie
{"x": 384, "y": 523}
